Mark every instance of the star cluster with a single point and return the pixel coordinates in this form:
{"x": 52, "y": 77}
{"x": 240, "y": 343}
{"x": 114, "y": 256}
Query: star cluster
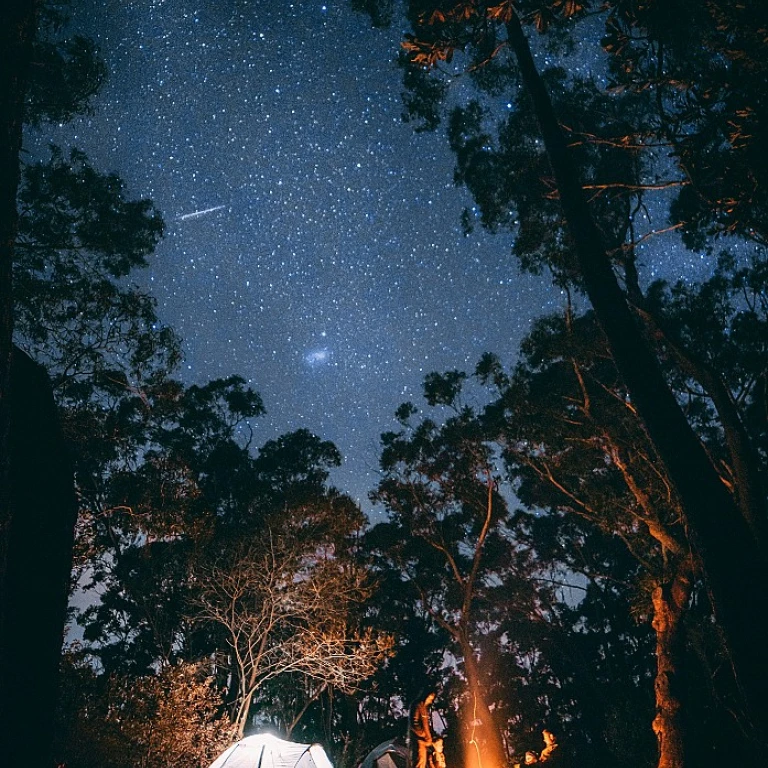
{"x": 313, "y": 240}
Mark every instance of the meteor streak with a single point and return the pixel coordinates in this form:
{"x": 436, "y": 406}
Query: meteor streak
{"x": 198, "y": 214}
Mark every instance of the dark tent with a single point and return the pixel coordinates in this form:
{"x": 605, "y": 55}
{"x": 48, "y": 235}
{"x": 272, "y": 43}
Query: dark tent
{"x": 389, "y": 754}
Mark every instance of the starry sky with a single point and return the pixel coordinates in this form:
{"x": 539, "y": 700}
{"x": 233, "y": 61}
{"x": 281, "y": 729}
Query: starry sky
{"x": 313, "y": 240}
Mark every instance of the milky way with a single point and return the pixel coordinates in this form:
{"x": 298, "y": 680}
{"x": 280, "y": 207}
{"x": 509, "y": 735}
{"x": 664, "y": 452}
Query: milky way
{"x": 313, "y": 240}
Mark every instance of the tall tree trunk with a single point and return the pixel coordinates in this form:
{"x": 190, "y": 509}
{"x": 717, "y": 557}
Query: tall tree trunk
{"x": 18, "y": 22}
{"x": 747, "y": 480}
{"x": 39, "y": 565}
{"x": 670, "y": 601}
{"x": 731, "y": 559}
{"x": 485, "y": 748}
{"x": 243, "y": 710}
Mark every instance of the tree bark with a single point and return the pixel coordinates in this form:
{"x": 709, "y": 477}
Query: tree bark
{"x": 729, "y": 555}
{"x": 485, "y": 748}
{"x": 748, "y": 486}
{"x": 243, "y": 710}
{"x": 39, "y": 565}
{"x": 18, "y": 22}
{"x": 670, "y": 601}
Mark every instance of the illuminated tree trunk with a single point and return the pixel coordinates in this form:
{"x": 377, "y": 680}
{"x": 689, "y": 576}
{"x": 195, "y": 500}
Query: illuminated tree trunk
{"x": 484, "y": 748}
{"x": 243, "y": 711}
{"x": 670, "y": 601}
{"x": 730, "y": 556}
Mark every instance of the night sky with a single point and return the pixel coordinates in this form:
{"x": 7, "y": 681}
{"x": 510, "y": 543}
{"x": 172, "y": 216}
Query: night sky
{"x": 313, "y": 240}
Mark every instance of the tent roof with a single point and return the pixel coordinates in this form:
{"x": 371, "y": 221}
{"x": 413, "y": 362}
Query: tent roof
{"x": 389, "y": 754}
{"x": 266, "y": 751}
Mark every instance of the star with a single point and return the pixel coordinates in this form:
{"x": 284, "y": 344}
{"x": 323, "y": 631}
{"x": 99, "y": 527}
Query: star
{"x": 346, "y": 219}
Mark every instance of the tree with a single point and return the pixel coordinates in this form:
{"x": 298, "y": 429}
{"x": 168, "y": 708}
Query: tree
{"x": 166, "y": 526}
{"x": 170, "y": 719}
{"x": 44, "y": 77}
{"x": 79, "y": 237}
{"x": 440, "y": 490}
{"x": 39, "y": 538}
{"x": 18, "y": 21}
{"x": 573, "y": 441}
{"x": 29, "y": 506}
{"x": 574, "y": 446}
{"x": 283, "y": 606}
{"x": 538, "y": 656}
{"x": 170, "y": 468}
{"x": 709, "y": 506}
{"x": 704, "y": 67}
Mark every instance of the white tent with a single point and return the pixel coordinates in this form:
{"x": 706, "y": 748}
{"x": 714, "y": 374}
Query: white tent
{"x": 266, "y": 751}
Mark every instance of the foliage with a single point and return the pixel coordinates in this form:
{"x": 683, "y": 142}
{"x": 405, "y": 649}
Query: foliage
{"x": 676, "y": 101}
{"x": 173, "y": 718}
{"x": 283, "y": 604}
{"x": 539, "y": 657}
{"x": 79, "y": 239}
{"x": 504, "y": 165}
{"x": 67, "y": 70}
{"x": 601, "y": 520}
{"x": 203, "y": 548}
{"x": 171, "y": 463}
{"x": 292, "y": 472}
{"x": 679, "y": 130}
{"x": 705, "y": 67}
{"x": 168, "y": 478}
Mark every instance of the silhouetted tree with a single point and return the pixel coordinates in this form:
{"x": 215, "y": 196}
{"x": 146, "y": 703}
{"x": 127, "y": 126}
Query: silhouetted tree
{"x": 446, "y": 539}
{"x": 575, "y": 444}
{"x": 30, "y": 504}
{"x": 492, "y": 31}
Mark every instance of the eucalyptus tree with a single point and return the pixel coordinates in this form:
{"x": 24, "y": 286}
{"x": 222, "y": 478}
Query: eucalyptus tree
{"x": 77, "y": 310}
{"x": 131, "y": 431}
{"x": 170, "y": 464}
{"x": 709, "y": 125}
{"x": 574, "y": 443}
{"x": 498, "y": 588}
{"x": 573, "y": 440}
{"x": 446, "y": 544}
{"x": 704, "y": 67}
{"x": 46, "y": 75}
